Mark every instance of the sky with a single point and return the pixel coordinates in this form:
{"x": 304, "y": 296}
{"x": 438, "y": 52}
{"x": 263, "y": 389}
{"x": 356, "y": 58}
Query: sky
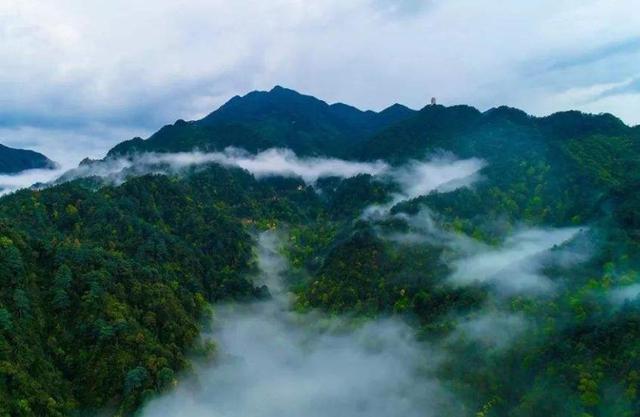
{"x": 78, "y": 77}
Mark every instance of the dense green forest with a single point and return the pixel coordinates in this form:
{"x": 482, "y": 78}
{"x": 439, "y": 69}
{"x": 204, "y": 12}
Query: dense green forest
{"x": 104, "y": 288}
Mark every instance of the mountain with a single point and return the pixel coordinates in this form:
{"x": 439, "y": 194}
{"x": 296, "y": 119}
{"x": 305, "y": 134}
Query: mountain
{"x": 105, "y": 286}
{"x": 13, "y": 160}
{"x": 468, "y": 132}
{"x": 278, "y": 118}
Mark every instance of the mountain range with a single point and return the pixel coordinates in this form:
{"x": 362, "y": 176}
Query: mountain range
{"x": 509, "y": 244}
{"x": 277, "y": 118}
{"x": 588, "y": 156}
{"x": 285, "y": 118}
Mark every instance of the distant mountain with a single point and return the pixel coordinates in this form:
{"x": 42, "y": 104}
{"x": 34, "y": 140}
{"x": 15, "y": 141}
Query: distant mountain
{"x": 579, "y": 160}
{"x": 277, "y": 118}
{"x": 468, "y": 132}
{"x": 13, "y": 160}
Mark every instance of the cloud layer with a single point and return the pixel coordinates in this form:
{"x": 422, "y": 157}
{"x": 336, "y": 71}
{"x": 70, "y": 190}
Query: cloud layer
{"x": 441, "y": 173}
{"x": 271, "y": 162}
{"x": 444, "y": 173}
{"x": 414, "y": 178}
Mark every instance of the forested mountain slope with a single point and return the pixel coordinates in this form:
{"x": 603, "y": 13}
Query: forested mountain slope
{"x": 277, "y": 118}
{"x": 105, "y": 287}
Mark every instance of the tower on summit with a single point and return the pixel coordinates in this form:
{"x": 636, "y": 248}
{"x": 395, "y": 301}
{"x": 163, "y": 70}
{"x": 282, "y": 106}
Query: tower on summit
{"x": 433, "y": 101}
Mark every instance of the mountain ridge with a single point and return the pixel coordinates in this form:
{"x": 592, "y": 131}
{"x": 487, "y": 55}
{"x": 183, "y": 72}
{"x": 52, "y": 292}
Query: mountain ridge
{"x": 277, "y": 118}
{"x": 284, "y": 118}
{"x": 13, "y": 160}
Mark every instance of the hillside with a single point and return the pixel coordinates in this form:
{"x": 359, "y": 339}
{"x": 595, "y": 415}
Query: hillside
{"x": 515, "y": 264}
{"x": 13, "y": 160}
{"x": 277, "y": 118}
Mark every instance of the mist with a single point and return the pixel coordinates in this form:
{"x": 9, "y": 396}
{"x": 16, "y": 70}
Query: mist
{"x": 510, "y": 267}
{"x": 491, "y": 330}
{"x": 415, "y": 177}
{"x": 272, "y": 362}
{"x": 439, "y": 173}
{"x": 515, "y": 266}
{"x": 628, "y": 293}
{"x": 25, "y": 179}
{"x": 271, "y": 162}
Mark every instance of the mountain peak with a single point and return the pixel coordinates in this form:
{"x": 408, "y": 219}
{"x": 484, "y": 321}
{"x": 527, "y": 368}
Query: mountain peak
{"x": 508, "y": 113}
{"x": 281, "y": 89}
{"x": 14, "y": 160}
{"x": 280, "y": 117}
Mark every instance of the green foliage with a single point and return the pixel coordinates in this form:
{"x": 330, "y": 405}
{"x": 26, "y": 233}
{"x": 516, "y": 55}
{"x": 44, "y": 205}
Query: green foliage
{"x": 280, "y": 118}
{"x": 103, "y": 288}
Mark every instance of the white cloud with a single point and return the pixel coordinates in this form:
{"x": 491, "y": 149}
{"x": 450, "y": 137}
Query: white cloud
{"x": 271, "y": 162}
{"x": 490, "y": 329}
{"x": 441, "y": 173}
{"x": 444, "y": 174}
{"x": 415, "y": 178}
{"x": 513, "y": 267}
{"x": 25, "y": 179}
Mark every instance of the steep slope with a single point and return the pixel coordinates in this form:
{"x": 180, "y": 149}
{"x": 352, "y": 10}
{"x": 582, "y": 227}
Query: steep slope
{"x": 277, "y": 118}
{"x": 13, "y": 160}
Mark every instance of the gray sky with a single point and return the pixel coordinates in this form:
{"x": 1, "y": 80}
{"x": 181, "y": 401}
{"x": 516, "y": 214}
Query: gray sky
{"x": 78, "y": 76}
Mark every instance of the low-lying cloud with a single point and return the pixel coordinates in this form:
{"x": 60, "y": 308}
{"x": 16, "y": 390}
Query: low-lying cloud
{"x": 25, "y": 179}
{"x": 490, "y": 329}
{"x": 443, "y": 173}
{"x": 624, "y": 294}
{"x": 440, "y": 173}
{"x": 415, "y": 178}
{"x": 277, "y": 363}
{"x": 271, "y": 162}
{"x": 515, "y": 266}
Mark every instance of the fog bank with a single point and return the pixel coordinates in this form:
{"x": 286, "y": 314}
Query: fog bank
{"x": 271, "y": 162}
{"x": 415, "y": 178}
{"x": 276, "y": 363}
{"x": 25, "y": 179}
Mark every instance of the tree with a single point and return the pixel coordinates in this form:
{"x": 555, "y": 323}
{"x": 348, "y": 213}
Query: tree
{"x": 135, "y": 379}
{"x": 22, "y": 302}
{"x": 5, "y": 319}
{"x": 61, "y": 284}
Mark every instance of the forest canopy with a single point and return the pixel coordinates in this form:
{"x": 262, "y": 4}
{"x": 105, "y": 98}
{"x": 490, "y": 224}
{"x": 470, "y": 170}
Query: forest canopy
{"x": 107, "y": 282}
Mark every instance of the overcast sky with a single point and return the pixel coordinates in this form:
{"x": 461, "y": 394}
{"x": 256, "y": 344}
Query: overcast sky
{"x": 78, "y": 76}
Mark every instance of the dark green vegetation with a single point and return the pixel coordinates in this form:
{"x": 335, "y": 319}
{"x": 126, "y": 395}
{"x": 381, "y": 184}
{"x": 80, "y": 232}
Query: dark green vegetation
{"x": 103, "y": 288}
{"x": 278, "y": 118}
{"x": 13, "y": 160}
